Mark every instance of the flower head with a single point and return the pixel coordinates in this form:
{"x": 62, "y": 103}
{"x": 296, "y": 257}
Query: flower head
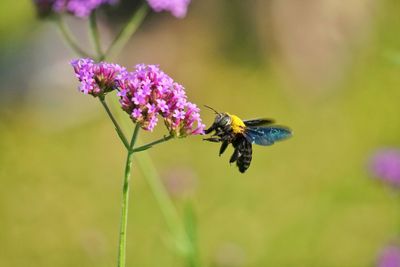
{"x": 389, "y": 257}
{"x": 178, "y": 8}
{"x": 79, "y": 8}
{"x": 385, "y": 165}
{"x": 96, "y": 79}
{"x": 145, "y": 94}
{"x": 148, "y": 92}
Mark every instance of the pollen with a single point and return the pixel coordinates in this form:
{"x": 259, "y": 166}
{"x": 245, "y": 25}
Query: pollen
{"x": 237, "y": 124}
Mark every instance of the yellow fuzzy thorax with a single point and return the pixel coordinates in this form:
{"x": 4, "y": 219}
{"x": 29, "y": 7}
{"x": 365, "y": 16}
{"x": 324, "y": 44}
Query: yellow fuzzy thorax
{"x": 237, "y": 124}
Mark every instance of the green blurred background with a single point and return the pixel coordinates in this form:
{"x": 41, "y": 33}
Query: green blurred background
{"x": 328, "y": 69}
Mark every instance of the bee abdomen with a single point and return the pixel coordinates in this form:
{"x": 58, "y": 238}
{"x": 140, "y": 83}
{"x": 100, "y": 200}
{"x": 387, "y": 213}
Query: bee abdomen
{"x": 244, "y": 160}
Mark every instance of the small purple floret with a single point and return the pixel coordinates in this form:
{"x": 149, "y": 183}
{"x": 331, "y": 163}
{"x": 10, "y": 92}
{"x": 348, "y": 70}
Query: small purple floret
{"x": 385, "y": 165}
{"x": 178, "y": 8}
{"x": 389, "y": 257}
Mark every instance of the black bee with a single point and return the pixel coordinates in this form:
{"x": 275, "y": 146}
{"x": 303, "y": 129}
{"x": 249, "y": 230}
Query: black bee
{"x": 230, "y": 129}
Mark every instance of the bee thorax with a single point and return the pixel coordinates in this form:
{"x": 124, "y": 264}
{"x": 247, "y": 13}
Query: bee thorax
{"x": 237, "y": 124}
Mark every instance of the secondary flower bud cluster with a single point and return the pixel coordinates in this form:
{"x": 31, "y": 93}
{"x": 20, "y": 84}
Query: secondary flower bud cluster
{"x": 79, "y": 8}
{"x": 145, "y": 94}
{"x": 83, "y": 8}
{"x": 96, "y": 79}
{"x": 178, "y": 8}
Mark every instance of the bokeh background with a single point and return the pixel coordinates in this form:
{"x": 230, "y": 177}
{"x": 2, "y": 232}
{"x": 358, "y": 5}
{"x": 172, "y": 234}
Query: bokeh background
{"x": 328, "y": 69}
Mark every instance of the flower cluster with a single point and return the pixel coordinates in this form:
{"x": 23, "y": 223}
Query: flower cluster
{"x": 145, "y": 94}
{"x": 79, "y": 8}
{"x": 148, "y": 92}
{"x": 389, "y": 257}
{"x": 178, "y": 8}
{"x": 385, "y": 164}
{"x": 96, "y": 79}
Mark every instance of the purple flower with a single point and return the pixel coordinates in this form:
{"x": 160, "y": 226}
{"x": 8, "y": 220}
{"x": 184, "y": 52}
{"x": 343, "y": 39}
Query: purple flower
{"x": 79, "y": 8}
{"x": 152, "y": 122}
{"x": 148, "y": 92}
{"x": 389, "y": 257}
{"x": 162, "y": 106}
{"x": 136, "y": 113}
{"x": 96, "y": 79}
{"x": 385, "y": 165}
{"x": 179, "y": 114}
{"x": 178, "y": 8}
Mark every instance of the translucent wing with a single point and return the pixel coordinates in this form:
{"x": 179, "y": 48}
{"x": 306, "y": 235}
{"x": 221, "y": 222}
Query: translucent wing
{"x": 258, "y": 122}
{"x": 266, "y": 136}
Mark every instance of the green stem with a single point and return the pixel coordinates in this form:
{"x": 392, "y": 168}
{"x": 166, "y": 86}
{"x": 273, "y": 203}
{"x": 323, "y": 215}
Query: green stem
{"x": 126, "y": 32}
{"x": 125, "y": 201}
{"x": 149, "y": 145}
{"x": 69, "y": 39}
{"x": 94, "y": 33}
{"x": 116, "y": 125}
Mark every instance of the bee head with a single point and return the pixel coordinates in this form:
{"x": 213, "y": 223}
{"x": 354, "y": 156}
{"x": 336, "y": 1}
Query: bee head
{"x": 222, "y": 119}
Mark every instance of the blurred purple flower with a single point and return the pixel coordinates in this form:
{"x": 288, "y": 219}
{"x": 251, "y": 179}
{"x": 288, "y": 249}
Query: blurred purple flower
{"x": 389, "y": 257}
{"x": 96, "y": 79}
{"x": 385, "y": 165}
{"x": 230, "y": 255}
{"x": 180, "y": 182}
{"x": 79, "y": 8}
{"x": 148, "y": 91}
{"x": 178, "y": 8}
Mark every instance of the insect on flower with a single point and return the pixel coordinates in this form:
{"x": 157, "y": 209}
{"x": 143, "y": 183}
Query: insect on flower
{"x": 230, "y": 129}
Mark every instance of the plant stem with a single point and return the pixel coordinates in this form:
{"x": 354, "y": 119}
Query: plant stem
{"x": 125, "y": 200}
{"x": 116, "y": 125}
{"x": 149, "y": 145}
{"x": 126, "y": 32}
{"x": 69, "y": 39}
{"x": 94, "y": 33}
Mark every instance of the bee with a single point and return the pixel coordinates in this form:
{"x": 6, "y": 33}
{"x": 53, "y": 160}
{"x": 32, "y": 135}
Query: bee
{"x": 230, "y": 129}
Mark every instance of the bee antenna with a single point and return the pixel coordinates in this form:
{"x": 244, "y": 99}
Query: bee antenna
{"x": 216, "y": 112}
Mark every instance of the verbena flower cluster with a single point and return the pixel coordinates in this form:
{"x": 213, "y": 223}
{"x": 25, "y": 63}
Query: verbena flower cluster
{"x": 96, "y": 79}
{"x": 385, "y": 165}
{"x": 79, "y": 8}
{"x": 389, "y": 257}
{"x": 145, "y": 94}
{"x": 178, "y": 8}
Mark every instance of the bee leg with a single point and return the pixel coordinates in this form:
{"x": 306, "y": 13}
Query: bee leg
{"x": 209, "y": 130}
{"x": 213, "y": 139}
{"x": 235, "y": 155}
{"x": 224, "y": 145}
{"x": 219, "y": 132}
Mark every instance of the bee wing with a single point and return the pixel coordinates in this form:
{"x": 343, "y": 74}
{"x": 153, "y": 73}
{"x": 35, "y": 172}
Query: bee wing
{"x": 258, "y": 122}
{"x": 266, "y": 136}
